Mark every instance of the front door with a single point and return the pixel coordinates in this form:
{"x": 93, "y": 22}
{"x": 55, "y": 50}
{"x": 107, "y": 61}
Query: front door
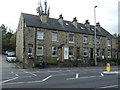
{"x": 78, "y": 52}
{"x": 91, "y": 53}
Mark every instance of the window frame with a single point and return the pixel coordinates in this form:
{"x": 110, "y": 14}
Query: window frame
{"x": 85, "y": 40}
{"x": 30, "y": 48}
{"x": 71, "y": 50}
{"x": 98, "y": 41}
{"x": 40, "y": 35}
{"x": 109, "y": 53}
{"x": 39, "y": 54}
{"x": 98, "y": 52}
{"x": 109, "y": 42}
{"x": 54, "y": 38}
{"x": 85, "y": 51}
{"x": 56, "y": 51}
{"x": 69, "y": 38}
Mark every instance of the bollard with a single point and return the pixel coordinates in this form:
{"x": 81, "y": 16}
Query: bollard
{"x": 108, "y": 67}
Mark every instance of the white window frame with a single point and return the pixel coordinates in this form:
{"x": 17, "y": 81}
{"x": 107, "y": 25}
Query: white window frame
{"x": 40, "y": 35}
{"x": 56, "y": 51}
{"x": 85, "y": 50}
{"x": 98, "y": 52}
{"x": 72, "y": 51}
{"x": 97, "y": 41}
{"x": 54, "y": 36}
{"x": 108, "y": 42}
{"x": 30, "y": 48}
{"x": 85, "y": 39}
{"x": 38, "y": 52}
{"x": 109, "y": 53}
{"x": 71, "y": 41}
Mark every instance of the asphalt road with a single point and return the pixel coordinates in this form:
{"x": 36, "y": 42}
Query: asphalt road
{"x": 82, "y": 77}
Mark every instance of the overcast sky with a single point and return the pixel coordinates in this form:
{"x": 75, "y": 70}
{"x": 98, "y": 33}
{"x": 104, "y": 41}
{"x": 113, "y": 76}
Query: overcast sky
{"x": 106, "y": 12}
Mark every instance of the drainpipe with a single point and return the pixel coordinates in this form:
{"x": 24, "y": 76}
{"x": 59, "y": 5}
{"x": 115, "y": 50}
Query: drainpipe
{"x": 35, "y": 57}
{"x": 24, "y": 44}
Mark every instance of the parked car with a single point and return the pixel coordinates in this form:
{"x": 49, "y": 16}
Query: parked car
{"x": 11, "y": 57}
{"x": 10, "y": 52}
{"x": 4, "y": 52}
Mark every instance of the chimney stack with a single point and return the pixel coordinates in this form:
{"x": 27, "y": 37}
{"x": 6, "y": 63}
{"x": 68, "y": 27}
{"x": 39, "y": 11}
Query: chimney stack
{"x": 60, "y": 19}
{"x": 87, "y": 24}
{"x": 75, "y": 22}
{"x": 44, "y": 18}
{"x": 43, "y": 14}
{"x": 98, "y": 25}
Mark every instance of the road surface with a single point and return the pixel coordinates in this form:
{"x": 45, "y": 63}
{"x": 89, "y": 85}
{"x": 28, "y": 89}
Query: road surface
{"x": 80, "y": 77}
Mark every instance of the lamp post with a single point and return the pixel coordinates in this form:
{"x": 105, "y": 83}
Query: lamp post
{"x": 95, "y": 34}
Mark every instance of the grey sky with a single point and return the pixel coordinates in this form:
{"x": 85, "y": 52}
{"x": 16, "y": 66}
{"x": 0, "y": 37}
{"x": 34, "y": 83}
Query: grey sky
{"x": 106, "y": 12}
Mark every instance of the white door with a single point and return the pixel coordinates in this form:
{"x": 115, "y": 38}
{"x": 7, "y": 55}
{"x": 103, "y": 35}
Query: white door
{"x": 66, "y": 53}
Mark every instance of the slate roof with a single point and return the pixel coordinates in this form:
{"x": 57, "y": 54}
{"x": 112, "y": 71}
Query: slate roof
{"x": 53, "y": 24}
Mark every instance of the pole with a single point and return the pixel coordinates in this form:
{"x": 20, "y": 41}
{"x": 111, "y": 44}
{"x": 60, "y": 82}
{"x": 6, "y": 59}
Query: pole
{"x": 23, "y": 44}
{"x": 95, "y": 34}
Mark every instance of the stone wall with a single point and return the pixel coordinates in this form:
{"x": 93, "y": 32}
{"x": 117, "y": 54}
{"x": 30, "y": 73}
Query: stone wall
{"x": 47, "y": 43}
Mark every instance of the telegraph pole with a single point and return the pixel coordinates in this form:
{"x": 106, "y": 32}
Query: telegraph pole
{"x": 95, "y": 34}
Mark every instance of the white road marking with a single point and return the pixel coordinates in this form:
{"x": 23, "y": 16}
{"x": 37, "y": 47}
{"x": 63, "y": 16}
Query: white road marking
{"x": 37, "y": 71}
{"x": 16, "y": 75}
{"x": 111, "y": 72}
{"x": 47, "y": 78}
{"x": 12, "y": 72}
{"x": 29, "y": 81}
{"x": 26, "y": 72}
{"x": 110, "y": 86}
{"x": 101, "y": 74}
{"x": 9, "y": 80}
{"x": 76, "y": 75}
{"x": 82, "y": 77}
{"x": 22, "y": 82}
{"x": 31, "y": 73}
{"x": 52, "y": 71}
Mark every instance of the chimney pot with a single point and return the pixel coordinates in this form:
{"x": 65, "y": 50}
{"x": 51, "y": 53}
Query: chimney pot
{"x": 98, "y": 24}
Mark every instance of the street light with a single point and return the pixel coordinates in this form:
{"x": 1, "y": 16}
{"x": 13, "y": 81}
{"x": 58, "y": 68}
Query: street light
{"x": 95, "y": 33}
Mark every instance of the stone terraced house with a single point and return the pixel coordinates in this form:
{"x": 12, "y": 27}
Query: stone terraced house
{"x": 40, "y": 37}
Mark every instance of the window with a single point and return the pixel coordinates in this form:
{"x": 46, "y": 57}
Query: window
{"x": 54, "y": 37}
{"x": 97, "y": 41}
{"x": 29, "y": 48}
{"x": 109, "y": 53}
{"x": 98, "y": 52}
{"x": 71, "y": 51}
{"x": 85, "y": 39}
{"x": 66, "y": 23}
{"x": 71, "y": 38}
{"x": 92, "y": 29}
{"x": 54, "y": 51}
{"x": 39, "y": 50}
{"x": 82, "y": 27}
{"x": 103, "y": 52}
{"x": 85, "y": 52}
{"x": 108, "y": 42}
{"x": 40, "y": 35}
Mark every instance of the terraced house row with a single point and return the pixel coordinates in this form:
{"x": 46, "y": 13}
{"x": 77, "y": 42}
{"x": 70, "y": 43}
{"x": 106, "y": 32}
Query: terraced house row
{"x": 40, "y": 37}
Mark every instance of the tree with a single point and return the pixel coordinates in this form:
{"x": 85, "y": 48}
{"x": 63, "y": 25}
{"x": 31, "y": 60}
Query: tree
{"x": 13, "y": 41}
{"x": 6, "y": 35}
